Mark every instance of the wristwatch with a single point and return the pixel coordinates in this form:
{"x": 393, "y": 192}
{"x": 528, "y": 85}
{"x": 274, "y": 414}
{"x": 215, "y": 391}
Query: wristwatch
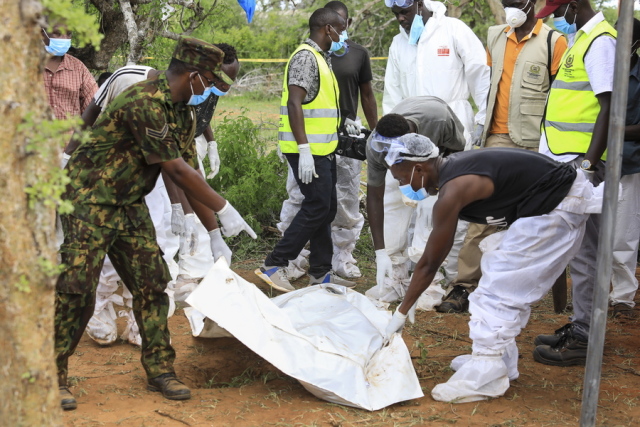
{"x": 586, "y": 165}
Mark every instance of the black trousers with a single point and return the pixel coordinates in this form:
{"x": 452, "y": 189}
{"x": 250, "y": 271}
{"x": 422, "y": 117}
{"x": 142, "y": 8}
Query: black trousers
{"x": 313, "y": 221}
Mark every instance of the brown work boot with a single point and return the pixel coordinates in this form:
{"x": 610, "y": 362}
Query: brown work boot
{"x": 622, "y": 310}
{"x": 170, "y": 387}
{"x": 67, "y": 401}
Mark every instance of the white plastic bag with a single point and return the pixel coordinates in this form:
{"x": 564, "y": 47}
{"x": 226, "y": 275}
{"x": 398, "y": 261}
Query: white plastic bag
{"x": 326, "y": 336}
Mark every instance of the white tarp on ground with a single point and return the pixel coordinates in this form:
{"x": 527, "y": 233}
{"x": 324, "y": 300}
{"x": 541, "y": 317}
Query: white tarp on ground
{"x": 326, "y": 336}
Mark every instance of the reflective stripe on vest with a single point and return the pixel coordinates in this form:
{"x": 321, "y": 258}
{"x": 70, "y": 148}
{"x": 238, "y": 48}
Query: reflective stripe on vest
{"x": 312, "y": 139}
{"x": 317, "y": 113}
{"x": 572, "y": 108}
{"x": 321, "y": 115}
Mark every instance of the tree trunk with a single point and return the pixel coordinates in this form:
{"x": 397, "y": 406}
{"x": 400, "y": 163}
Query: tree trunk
{"x": 28, "y": 386}
{"x": 498, "y": 11}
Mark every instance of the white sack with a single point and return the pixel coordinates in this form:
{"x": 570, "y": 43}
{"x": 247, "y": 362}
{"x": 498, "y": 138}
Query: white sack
{"x": 327, "y": 337}
{"x": 433, "y": 295}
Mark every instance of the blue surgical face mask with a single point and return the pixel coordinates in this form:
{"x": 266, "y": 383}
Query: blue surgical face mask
{"x": 335, "y": 46}
{"x": 417, "y": 27}
{"x": 57, "y": 47}
{"x": 199, "y": 99}
{"x": 218, "y": 92}
{"x": 563, "y": 26}
{"x": 410, "y": 197}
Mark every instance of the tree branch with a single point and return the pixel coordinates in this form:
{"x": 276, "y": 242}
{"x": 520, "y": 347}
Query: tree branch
{"x": 168, "y": 34}
{"x": 188, "y": 4}
{"x": 132, "y": 29}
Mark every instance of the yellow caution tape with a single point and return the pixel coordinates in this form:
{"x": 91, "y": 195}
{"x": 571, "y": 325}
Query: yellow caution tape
{"x": 377, "y": 58}
{"x": 285, "y": 60}
{"x": 262, "y": 60}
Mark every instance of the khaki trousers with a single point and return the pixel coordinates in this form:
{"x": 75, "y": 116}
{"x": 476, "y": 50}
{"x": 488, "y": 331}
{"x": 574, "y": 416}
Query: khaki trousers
{"x": 469, "y": 272}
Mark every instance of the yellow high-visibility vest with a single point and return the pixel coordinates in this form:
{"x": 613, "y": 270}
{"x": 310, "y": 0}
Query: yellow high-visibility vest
{"x": 572, "y": 107}
{"x": 321, "y": 115}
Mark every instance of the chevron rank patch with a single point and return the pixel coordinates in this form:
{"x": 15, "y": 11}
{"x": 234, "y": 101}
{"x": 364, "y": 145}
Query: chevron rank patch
{"x": 158, "y": 134}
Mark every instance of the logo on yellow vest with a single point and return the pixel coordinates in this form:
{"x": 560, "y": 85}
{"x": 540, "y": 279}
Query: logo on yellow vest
{"x": 569, "y": 62}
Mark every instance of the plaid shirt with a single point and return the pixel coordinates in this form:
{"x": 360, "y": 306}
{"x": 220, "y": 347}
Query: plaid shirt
{"x": 70, "y": 88}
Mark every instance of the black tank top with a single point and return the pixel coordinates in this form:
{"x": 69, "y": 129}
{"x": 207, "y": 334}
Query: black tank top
{"x": 526, "y": 183}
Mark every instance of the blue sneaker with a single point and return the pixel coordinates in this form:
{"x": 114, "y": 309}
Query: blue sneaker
{"x": 276, "y": 277}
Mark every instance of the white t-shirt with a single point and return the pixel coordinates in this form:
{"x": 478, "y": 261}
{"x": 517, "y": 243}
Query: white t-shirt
{"x": 120, "y": 80}
{"x": 599, "y": 63}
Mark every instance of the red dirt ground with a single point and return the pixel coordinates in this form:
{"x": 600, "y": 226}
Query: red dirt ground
{"x": 232, "y": 386}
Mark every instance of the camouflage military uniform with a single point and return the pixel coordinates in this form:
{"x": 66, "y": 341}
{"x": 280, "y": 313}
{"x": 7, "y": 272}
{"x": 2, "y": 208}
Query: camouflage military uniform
{"x": 110, "y": 175}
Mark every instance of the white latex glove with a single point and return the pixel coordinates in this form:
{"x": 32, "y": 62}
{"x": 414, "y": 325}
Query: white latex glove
{"x": 306, "y": 166}
{"x": 384, "y": 266}
{"x": 177, "y": 219}
{"x": 232, "y": 223}
{"x": 589, "y": 174}
{"x": 351, "y": 127}
{"x": 218, "y": 246}
{"x": 189, "y": 238}
{"x": 214, "y": 158}
{"x": 395, "y": 325}
{"x": 476, "y": 138}
{"x": 64, "y": 160}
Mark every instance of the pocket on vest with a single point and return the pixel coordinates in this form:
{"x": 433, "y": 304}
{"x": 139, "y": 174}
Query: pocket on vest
{"x": 531, "y": 112}
{"x": 534, "y": 76}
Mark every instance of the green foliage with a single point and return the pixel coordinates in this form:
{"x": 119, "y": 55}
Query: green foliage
{"x": 29, "y": 377}
{"x": 50, "y": 182}
{"x": 50, "y": 269}
{"x": 85, "y": 27}
{"x": 23, "y": 284}
{"x": 251, "y": 176}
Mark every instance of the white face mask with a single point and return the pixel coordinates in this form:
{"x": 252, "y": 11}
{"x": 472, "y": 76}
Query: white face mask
{"x": 516, "y": 16}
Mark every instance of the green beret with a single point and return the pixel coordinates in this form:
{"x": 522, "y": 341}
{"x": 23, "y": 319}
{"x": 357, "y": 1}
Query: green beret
{"x": 202, "y": 55}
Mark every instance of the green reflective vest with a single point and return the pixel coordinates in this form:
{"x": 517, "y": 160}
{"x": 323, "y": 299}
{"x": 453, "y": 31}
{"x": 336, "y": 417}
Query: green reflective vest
{"x": 572, "y": 107}
{"x": 321, "y": 114}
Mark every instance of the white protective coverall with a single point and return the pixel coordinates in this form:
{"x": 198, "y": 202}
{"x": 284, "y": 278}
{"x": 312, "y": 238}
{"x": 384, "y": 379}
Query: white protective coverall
{"x": 194, "y": 267}
{"x": 450, "y": 63}
{"x": 519, "y": 267}
{"x": 625, "y": 243}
